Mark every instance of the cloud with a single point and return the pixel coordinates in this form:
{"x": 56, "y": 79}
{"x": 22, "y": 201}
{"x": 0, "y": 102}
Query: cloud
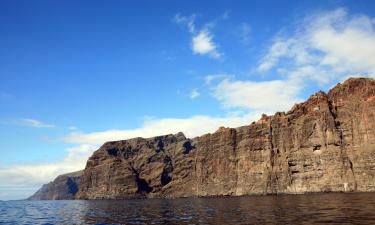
{"x": 214, "y": 77}
{"x": 29, "y": 177}
{"x": 33, "y": 123}
{"x": 186, "y": 21}
{"x": 244, "y": 33}
{"x": 202, "y": 41}
{"x": 194, "y": 93}
{"x": 328, "y": 45}
{"x": 202, "y": 44}
{"x": 267, "y": 96}
{"x": 191, "y": 126}
{"x": 278, "y": 49}
{"x": 73, "y": 128}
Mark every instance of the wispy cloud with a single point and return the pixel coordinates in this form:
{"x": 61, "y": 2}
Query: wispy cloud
{"x": 202, "y": 41}
{"x": 325, "y": 46}
{"x": 208, "y": 79}
{"x": 33, "y": 123}
{"x": 191, "y": 126}
{"x": 188, "y": 21}
{"x": 267, "y": 96}
{"x": 73, "y": 128}
{"x": 244, "y": 31}
{"x": 194, "y": 93}
{"x": 29, "y": 177}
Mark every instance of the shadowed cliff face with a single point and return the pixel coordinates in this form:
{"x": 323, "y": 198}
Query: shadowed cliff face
{"x": 63, "y": 187}
{"x": 324, "y": 144}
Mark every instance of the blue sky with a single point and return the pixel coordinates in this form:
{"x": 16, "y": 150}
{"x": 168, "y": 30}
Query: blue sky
{"x": 74, "y": 74}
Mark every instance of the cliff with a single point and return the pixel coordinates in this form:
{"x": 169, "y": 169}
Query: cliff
{"x": 63, "y": 187}
{"x": 324, "y": 144}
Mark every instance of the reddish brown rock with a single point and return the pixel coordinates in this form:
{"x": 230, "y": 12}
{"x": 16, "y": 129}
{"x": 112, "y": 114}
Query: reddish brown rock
{"x": 324, "y": 144}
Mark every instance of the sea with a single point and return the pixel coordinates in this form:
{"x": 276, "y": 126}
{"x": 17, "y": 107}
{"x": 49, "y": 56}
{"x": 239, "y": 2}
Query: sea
{"x": 325, "y": 208}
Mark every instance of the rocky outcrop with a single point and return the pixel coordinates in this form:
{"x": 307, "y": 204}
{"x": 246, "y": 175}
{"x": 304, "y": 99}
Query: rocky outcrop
{"x": 63, "y": 187}
{"x": 324, "y": 144}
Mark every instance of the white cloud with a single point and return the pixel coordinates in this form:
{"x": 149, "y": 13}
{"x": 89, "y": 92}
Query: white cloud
{"x": 33, "y": 123}
{"x": 266, "y": 96}
{"x": 194, "y": 93}
{"x": 202, "y": 41}
{"x": 329, "y": 45}
{"x": 192, "y": 127}
{"x": 202, "y": 44}
{"x": 29, "y": 177}
{"x": 73, "y": 128}
{"x": 214, "y": 77}
{"x": 279, "y": 48}
{"x": 186, "y": 21}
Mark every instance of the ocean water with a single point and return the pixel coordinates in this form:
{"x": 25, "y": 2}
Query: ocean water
{"x": 330, "y": 208}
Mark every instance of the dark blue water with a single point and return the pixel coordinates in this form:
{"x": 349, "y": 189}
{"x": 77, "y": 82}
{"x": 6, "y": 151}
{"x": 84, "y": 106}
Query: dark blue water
{"x": 358, "y": 208}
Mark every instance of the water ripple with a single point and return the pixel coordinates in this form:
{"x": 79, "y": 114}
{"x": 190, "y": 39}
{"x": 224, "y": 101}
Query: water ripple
{"x": 334, "y": 208}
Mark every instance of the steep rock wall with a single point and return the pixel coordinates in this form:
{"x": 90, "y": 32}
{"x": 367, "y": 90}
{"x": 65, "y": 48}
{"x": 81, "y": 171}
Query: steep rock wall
{"x": 63, "y": 187}
{"x": 324, "y": 144}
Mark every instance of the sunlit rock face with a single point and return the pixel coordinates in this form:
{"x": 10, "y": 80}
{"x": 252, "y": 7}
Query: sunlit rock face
{"x": 63, "y": 187}
{"x": 324, "y": 144}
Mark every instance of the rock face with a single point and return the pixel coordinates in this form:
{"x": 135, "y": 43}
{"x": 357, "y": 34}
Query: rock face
{"x": 63, "y": 187}
{"x": 324, "y": 144}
